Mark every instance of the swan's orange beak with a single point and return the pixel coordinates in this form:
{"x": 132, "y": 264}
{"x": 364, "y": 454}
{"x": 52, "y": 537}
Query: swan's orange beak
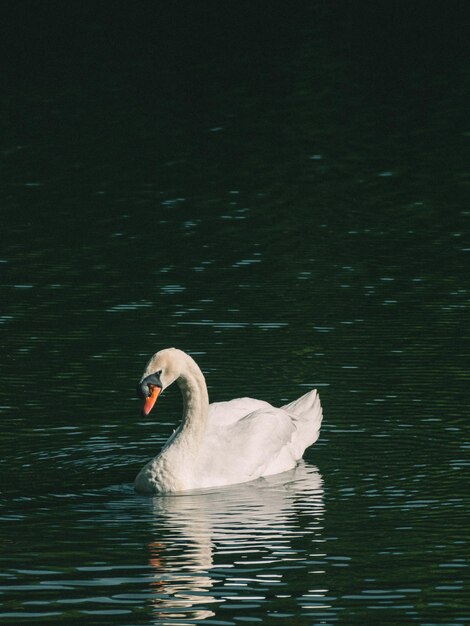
{"x": 150, "y": 401}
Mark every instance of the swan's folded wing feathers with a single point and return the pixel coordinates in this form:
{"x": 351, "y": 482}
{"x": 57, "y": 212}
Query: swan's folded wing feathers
{"x": 258, "y": 444}
{"x": 255, "y": 439}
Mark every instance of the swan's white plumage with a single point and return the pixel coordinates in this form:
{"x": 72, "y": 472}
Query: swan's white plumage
{"x": 225, "y": 442}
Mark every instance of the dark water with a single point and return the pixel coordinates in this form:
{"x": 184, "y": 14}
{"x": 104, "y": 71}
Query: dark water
{"x": 285, "y": 196}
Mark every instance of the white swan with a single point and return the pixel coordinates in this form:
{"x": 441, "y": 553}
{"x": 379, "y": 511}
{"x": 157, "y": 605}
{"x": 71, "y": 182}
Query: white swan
{"x": 225, "y": 442}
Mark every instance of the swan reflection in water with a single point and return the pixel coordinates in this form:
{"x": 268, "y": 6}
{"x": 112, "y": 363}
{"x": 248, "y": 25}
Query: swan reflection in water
{"x": 206, "y": 541}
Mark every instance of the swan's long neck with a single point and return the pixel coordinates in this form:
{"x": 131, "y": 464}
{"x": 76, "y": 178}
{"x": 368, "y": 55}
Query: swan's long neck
{"x": 195, "y": 400}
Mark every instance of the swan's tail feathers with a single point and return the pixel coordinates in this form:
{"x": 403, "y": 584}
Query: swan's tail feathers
{"x": 307, "y": 414}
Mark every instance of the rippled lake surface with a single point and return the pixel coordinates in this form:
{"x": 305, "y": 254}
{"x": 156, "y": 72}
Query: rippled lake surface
{"x": 292, "y": 221}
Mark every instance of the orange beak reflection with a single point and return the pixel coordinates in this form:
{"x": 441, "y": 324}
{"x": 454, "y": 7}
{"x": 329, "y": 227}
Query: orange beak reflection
{"x": 150, "y": 401}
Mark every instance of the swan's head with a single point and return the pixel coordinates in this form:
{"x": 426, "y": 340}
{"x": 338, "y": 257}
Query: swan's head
{"x": 161, "y": 371}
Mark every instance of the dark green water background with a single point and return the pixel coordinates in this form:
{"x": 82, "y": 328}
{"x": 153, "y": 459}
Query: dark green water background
{"x": 282, "y": 191}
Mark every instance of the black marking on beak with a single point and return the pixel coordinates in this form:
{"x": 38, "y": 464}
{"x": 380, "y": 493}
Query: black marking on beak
{"x": 143, "y": 388}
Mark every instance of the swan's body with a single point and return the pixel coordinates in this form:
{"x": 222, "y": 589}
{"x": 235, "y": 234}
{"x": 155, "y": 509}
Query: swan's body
{"x": 225, "y": 442}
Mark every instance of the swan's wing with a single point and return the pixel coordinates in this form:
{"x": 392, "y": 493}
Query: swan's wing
{"x": 289, "y": 430}
{"x": 247, "y": 438}
{"x": 255, "y": 445}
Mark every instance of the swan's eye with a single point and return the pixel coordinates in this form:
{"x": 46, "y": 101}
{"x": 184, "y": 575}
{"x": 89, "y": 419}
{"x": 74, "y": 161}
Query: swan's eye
{"x": 148, "y": 384}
